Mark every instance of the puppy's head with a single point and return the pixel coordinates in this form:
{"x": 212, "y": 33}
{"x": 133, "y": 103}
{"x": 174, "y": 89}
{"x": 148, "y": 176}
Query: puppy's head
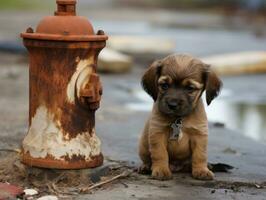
{"x": 177, "y": 82}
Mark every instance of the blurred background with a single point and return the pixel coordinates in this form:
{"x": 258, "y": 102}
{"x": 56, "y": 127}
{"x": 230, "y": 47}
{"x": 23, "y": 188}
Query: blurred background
{"x": 229, "y": 34}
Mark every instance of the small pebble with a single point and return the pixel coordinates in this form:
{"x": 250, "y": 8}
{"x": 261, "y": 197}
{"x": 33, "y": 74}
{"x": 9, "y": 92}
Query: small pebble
{"x": 30, "y": 192}
{"x": 213, "y": 191}
{"x": 219, "y": 124}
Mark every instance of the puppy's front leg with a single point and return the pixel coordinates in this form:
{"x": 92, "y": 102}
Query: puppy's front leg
{"x": 199, "y": 158}
{"x": 159, "y": 156}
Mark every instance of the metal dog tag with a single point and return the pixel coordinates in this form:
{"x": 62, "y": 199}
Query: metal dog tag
{"x": 176, "y": 127}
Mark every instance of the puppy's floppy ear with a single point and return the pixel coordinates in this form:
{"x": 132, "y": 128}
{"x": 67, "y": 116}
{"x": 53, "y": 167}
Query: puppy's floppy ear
{"x": 150, "y": 78}
{"x": 213, "y": 84}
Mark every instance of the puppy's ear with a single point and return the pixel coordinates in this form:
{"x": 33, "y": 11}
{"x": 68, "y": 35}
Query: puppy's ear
{"x": 213, "y": 85}
{"x": 150, "y": 78}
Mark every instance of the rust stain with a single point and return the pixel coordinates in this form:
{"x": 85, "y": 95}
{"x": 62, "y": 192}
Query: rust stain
{"x": 50, "y": 73}
{"x": 65, "y": 163}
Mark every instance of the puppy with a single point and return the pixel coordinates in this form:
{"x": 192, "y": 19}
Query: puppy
{"x": 177, "y": 129}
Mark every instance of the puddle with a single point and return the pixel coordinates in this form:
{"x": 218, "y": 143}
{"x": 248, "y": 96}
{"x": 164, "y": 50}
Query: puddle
{"x": 248, "y": 119}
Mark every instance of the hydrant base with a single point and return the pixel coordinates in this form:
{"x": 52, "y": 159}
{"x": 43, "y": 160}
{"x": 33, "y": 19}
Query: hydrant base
{"x": 52, "y": 163}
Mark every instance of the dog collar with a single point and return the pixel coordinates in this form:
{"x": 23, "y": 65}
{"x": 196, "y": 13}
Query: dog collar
{"x": 176, "y": 127}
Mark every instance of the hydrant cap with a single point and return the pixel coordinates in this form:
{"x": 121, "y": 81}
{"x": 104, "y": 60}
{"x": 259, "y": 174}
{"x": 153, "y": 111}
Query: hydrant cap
{"x": 65, "y": 26}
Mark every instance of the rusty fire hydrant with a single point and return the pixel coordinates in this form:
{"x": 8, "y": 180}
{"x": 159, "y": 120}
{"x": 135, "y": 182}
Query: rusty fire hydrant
{"x": 65, "y": 91}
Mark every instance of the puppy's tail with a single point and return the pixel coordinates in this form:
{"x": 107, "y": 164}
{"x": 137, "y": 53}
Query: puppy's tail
{"x": 219, "y": 167}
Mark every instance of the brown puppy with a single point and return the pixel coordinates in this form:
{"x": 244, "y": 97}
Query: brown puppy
{"x": 177, "y": 129}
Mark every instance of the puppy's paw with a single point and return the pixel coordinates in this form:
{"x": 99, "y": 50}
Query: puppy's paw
{"x": 202, "y": 174}
{"x": 144, "y": 169}
{"x": 161, "y": 172}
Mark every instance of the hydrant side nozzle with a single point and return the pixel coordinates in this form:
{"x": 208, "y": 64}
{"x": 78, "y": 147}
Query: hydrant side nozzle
{"x": 91, "y": 92}
{"x": 66, "y": 7}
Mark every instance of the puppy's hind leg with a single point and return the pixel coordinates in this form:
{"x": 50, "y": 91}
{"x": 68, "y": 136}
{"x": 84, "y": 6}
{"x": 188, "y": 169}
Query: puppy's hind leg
{"x": 145, "y": 168}
{"x": 145, "y": 156}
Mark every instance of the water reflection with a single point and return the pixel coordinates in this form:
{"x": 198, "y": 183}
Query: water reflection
{"x": 249, "y": 119}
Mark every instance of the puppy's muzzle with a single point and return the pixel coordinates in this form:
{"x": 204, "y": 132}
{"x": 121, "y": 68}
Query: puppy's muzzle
{"x": 174, "y": 103}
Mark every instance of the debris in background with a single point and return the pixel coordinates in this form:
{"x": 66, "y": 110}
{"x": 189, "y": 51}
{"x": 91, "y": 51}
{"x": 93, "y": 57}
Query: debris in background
{"x": 229, "y": 151}
{"x": 238, "y": 63}
{"x": 111, "y": 61}
{"x": 8, "y": 191}
{"x": 141, "y": 44}
{"x": 258, "y": 186}
{"x": 219, "y": 124}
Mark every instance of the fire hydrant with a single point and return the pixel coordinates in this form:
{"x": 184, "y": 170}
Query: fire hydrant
{"x": 64, "y": 90}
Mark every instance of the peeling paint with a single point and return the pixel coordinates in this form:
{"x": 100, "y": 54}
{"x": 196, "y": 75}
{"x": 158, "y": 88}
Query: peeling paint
{"x": 80, "y": 76}
{"x": 46, "y": 138}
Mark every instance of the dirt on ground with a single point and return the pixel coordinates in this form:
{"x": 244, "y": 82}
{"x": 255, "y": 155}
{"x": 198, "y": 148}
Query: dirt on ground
{"x": 62, "y": 183}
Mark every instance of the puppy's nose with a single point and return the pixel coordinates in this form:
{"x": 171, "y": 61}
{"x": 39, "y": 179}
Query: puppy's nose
{"x": 174, "y": 103}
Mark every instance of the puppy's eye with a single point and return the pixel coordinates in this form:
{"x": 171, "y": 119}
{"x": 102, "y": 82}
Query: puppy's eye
{"x": 164, "y": 86}
{"x": 190, "y": 88}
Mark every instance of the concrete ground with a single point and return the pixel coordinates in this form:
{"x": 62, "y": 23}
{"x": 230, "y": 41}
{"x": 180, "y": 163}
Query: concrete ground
{"x": 119, "y": 128}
